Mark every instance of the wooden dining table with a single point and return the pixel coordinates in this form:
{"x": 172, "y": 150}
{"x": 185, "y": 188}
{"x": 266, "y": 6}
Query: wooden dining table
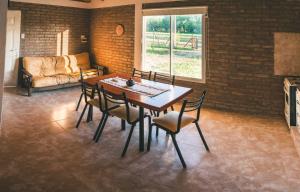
{"x": 158, "y": 103}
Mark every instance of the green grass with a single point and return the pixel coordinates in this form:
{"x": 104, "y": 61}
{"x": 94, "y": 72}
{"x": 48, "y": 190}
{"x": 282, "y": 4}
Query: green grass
{"x": 186, "y": 60}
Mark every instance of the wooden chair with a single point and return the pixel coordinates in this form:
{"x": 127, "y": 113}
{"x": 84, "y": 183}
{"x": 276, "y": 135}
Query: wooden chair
{"x": 141, "y": 74}
{"x": 125, "y": 112}
{"x": 173, "y": 122}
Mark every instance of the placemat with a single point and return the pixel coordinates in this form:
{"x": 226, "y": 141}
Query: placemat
{"x": 141, "y": 88}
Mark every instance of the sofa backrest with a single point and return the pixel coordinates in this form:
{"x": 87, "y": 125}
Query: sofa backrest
{"x": 78, "y": 61}
{"x": 33, "y": 65}
{"x": 49, "y": 66}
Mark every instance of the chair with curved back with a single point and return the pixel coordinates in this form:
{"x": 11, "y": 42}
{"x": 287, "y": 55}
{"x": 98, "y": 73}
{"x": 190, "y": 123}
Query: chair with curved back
{"x": 173, "y": 122}
{"x": 125, "y": 112}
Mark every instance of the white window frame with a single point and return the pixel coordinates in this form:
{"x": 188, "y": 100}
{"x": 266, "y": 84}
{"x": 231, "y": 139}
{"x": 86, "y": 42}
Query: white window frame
{"x": 181, "y": 11}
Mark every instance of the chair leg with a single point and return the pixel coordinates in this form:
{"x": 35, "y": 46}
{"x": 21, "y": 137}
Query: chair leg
{"x": 128, "y": 140}
{"x": 202, "y": 137}
{"x": 178, "y": 151}
{"x": 80, "y": 118}
{"x": 78, "y": 104}
{"x": 149, "y": 138}
{"x": 101, "y": 128}
{"x": 123, "y": 124}
{"x": 90, "y": 114}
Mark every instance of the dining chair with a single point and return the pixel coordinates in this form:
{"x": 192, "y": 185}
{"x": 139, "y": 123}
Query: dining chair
{"x": 125, "y": 112}
{"x": 90, "y": 101}
{"x": 82, "y": 74}
{"x": 141, "y": 74}
{"x": 104, "y": 108}
{"x": 163, "y": 78}
{"x": 174, "y": 121}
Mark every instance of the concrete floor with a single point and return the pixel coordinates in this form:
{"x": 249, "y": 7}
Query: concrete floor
{"x": 41, "y": 150}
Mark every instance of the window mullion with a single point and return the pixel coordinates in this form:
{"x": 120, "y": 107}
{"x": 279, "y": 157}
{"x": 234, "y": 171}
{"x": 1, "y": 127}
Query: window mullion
{"x": 172, "y": 41}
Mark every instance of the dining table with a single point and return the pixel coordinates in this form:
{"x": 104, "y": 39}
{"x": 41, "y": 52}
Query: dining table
{"x": 159, "y": 102}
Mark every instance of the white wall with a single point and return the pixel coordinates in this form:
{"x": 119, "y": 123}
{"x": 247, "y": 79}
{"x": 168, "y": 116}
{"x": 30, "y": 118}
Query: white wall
{"x": 94, "y": 4}
{"x": 3, "y": 11}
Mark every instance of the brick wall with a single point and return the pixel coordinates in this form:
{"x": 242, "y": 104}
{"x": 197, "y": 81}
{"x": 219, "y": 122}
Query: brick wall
{"x": 108, "y": 49}
{"x": 241, "y": 48}
{"x": 42, "y": 24}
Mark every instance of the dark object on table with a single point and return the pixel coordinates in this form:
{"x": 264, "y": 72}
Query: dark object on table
{"x": 130, "y": 82}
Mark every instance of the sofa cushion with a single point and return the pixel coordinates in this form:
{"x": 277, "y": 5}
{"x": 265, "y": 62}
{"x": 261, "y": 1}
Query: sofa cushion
{"x": 75, "y": 77}
{"x": 33, "y": 65}
{"x": 79, "y": 61}
{"x": 44, "y": 81}
{"x": 62, "y": 79}
{"x": 48, "y": 67}
{"x": 62, "y": 65}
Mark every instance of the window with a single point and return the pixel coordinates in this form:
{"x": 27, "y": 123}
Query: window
{"x": 173, "y": 42}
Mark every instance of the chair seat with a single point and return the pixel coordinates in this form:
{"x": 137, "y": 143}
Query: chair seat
{"x": 170, "y": 121}
{"x": 95, "y": 103}
{"x": 122, "y": 114}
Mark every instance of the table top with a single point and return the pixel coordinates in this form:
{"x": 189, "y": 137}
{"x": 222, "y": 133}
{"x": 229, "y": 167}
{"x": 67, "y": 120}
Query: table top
{"x": 158, "y": 103}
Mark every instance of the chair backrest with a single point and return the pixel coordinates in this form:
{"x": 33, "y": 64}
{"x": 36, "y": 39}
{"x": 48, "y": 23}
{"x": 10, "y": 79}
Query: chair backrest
{"x": 81, "y": 79}
{"x": 189, "y": 106}
{"x": 164, "y": 78}
{"x": 88, "y": 92}
{"x": 141, "y": 74}
{"x": 117, "y": 99}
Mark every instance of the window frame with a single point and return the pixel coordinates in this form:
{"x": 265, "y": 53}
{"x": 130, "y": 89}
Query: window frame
{"x": 180, "y": 11}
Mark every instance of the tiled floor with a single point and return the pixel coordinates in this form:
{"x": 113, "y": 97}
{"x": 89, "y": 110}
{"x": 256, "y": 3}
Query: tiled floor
{"x": 40, "y": 150}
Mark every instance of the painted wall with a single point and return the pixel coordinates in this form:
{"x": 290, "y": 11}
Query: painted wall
{"x": 3, "y": 8}
{"x": 93, "y": 5}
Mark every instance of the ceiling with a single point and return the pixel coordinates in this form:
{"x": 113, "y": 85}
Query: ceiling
{"x": 91, "y": 3}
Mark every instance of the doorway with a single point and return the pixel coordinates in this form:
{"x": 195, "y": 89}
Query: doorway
{"x": 12, "y": 51}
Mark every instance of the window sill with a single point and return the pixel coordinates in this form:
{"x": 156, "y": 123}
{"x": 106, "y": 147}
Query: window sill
{"x": 192, "y": 80}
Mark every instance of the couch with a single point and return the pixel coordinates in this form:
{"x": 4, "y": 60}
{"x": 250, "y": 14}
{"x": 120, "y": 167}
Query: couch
{"x": 47, "y": 73}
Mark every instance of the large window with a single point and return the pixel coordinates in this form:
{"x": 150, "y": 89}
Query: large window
{"x": 174, "y": 44}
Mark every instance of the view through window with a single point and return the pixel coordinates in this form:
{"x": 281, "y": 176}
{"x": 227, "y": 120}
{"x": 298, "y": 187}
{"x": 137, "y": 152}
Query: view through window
{"x": 173, "y": 44}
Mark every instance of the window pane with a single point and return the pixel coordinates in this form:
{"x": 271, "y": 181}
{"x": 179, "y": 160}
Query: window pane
{"x": 187, "y": 46}
{"x": 156, "y": 48}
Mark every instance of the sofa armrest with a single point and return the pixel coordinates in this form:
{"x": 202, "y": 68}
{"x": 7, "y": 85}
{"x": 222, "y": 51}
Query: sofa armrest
{"x": 27, "y": 80}
{"x": 101, "y": 69}
{"x": 26, "y": 74}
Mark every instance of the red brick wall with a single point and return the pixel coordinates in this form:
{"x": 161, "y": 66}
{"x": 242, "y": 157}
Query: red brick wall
{"x": 241, "y": 47}
{"x": 117, "y": 53}
{"x": 42, "y": 23}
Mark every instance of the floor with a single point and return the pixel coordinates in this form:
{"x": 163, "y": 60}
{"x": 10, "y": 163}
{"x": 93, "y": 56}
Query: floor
{"x": 41, "y": 150}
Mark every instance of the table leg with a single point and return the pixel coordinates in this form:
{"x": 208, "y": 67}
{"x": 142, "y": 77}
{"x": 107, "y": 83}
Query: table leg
{"x": 141, "y": 116}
